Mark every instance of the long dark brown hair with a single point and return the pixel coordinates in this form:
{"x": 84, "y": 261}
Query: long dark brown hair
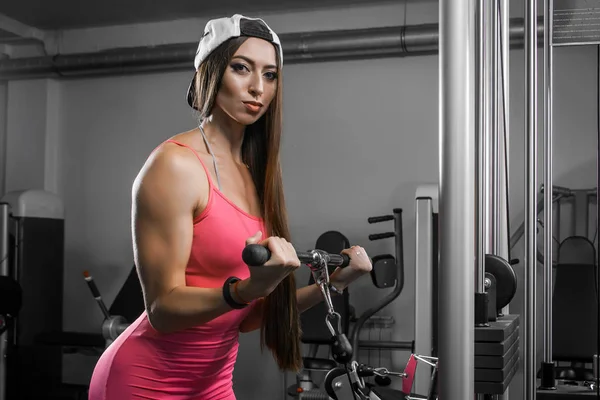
{"x": 280, "y": 330}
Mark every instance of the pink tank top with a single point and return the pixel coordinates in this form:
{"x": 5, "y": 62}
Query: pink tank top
{"x": 195, "y": 363}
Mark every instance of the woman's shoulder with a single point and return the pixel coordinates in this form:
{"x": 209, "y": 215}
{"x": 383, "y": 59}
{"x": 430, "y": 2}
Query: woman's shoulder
{"x": 173, "y": 159}
{"x": 181, "y": 147}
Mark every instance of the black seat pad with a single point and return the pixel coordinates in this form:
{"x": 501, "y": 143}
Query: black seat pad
{"x": 388, "y": 394}
{"x": 321, "y": 364}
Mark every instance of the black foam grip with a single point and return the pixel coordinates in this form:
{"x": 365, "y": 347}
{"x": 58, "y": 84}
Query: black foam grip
{"x": 93, "y": 288}
{"x": 346, "y": 260}
{"x": 255, "y": 255}
{"x": 374, "y": 220}
{"x": 377, "y": 236}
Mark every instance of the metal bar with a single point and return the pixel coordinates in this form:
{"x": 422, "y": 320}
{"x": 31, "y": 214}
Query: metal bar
{"x": 548, "y": 178}
{"x": 505, "y": 76}
{"x": 4, "y": 271}
{"x": 481, "y": 112}
{"x": 382, "y": 344}
{"x": 556, "y": 222}
{"x": 495, "y": 138}
{"x": 423, "y": 289}
{"x": 503, "y": 138}
{"x": 3, "y": 134}
{"x": 488, "y": 132}
{"x": 530, "y": 198}
{"x": 457, "y": 61}
{"x": 581, "y": 213}
{"x": 505, "y": 37}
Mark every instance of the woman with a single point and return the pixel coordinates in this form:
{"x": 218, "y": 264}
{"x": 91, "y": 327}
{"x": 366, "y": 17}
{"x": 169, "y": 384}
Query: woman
{"x": 199, "y": 199}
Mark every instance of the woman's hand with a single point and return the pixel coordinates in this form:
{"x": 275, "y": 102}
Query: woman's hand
{"x": 264, "y": 279}
{"x": 360, "y": 264}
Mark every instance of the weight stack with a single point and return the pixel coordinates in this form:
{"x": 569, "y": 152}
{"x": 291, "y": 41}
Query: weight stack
{"x": 496, "y": 355}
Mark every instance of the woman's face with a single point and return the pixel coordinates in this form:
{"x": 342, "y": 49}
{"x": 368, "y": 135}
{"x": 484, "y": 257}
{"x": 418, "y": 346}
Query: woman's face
{"x": 249, "y": 82}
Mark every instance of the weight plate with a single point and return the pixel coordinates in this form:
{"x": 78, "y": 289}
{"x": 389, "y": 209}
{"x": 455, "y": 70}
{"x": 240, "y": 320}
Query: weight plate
{"x": 506, "y": 279}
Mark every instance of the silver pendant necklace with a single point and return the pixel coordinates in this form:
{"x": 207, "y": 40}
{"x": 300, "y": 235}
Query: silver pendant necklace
{"x": 212, "y": 154}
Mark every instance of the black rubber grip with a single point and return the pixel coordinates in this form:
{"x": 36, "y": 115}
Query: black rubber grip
{"x": 255, "y": 255}
{"x": 93, "y": 288}
{"x": 345, "y": 260}
{"x": 377, "y": 236}
{"x": 374, "y": 220}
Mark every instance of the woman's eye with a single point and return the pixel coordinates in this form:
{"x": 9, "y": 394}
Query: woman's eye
{"x": 239, "y": 67}
{"x": 271, "y": 76}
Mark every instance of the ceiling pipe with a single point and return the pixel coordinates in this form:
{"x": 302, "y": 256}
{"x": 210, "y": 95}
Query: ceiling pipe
{"x": 397, "y": 41}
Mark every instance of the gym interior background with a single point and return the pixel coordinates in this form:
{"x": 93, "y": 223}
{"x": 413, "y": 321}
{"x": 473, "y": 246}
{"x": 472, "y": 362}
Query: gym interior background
{"x": 359, "y": 137}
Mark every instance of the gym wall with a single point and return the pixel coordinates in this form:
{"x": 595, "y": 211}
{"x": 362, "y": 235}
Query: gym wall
{"x": 359, "y": 137}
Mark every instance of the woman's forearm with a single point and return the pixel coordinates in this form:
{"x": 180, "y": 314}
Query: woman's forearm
{"x": 185, "y": 307}
{"x": 308, "y": 297}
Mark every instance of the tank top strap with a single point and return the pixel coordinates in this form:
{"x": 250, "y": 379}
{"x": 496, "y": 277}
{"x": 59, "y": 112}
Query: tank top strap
{"x": 208, "y": 176}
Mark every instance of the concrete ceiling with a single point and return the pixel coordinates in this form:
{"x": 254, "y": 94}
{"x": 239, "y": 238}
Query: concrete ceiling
{"x": 66, "y": 14}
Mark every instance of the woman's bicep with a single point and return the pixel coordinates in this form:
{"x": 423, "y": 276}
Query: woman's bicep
{"x": 162, "y": 216}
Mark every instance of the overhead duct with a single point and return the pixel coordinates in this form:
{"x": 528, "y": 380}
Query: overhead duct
{"x": 397, "y": 41}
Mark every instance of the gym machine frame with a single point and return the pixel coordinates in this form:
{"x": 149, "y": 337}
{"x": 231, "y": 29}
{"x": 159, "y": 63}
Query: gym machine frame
{"x": 473, "y": 203}
{"x": 570, "y": 32}
{"x": 459, "y": 95}
{"x": 4, "y": 272}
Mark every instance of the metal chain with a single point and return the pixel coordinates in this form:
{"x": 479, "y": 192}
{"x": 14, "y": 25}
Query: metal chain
{"x": 321, "y": 276}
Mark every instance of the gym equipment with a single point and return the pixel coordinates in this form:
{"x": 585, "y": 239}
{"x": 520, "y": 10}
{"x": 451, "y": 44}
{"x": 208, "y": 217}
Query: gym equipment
{"x": 497, "y": 344}
{"x": 11, "y": 298}
{"x": 318, "y": 261}
{"x": 32, "y": 264}
{"x": 5, "y": 272}
{"x": 112, "y": 325}
{"x": 381, "y": 275}
{"x": 502, "y": 285}
{"x": 384, "y": 275}
{"x": 342, "y": 351}
{"x": 125, "y": 308}
{"x": 316, "y": 334}
{"x": 342, "y": 384}
{"x": 566, "y": 16}
{"x": 571, "y": 333}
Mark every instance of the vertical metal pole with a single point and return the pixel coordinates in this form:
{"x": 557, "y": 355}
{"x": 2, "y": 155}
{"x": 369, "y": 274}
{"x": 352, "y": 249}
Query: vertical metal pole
{"x": 3, "y": 132}
{"x": 505, "y": 74}
{"x": 495, "y": 133}
{"x": 482, "y": 140}
{"x": 481, "y": 112}
{"x": 530, "y": 197}
{"x": 548, "y": 381}
{"x": 4, "y": 271}
{"x": 457, "y": 199}
{"x": 503, "y": 137}
{"x": 548, "y": 222}
{"x": 556, "y": 222}
{"x": 488, "y": 131}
